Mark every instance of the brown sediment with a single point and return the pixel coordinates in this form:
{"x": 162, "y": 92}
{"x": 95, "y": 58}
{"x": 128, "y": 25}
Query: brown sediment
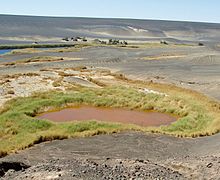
{"x": 83, "y": 113}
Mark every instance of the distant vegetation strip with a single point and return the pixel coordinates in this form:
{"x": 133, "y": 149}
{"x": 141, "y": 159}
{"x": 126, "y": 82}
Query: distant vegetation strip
{"x": 36, "y": 46}
{"x": 94, "y": 43}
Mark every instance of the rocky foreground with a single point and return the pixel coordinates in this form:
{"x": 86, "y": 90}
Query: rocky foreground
{"x": 79, "y": 168}
{"x": 127, "y": 155}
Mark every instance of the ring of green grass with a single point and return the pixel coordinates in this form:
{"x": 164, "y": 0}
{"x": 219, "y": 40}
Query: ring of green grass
{"x": 19, "y": 128}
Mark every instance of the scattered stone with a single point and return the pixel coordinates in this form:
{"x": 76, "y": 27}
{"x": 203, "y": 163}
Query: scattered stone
{"x": 209, "y": 165}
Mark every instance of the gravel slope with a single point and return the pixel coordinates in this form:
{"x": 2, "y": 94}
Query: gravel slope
{"x": 15, "y": 29}
{"x": 198, "y": 69}
{"x": 120, "y": 156}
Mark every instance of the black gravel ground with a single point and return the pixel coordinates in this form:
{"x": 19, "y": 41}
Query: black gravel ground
{"x": 128, "y": 155}
{"x": 198, "y": 69}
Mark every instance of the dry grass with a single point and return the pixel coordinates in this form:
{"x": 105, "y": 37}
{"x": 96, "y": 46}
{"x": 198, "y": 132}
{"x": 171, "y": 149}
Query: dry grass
{"x": 39, "y": 59}
{"x": 25, "y": 51}
{"x": 150, "y": 45}
{"x": 50, "y": 50}
{"x": 58, "y": 82}
{"x": 97, "y": 82}
{"x": 35, "y": 59}
{"x": 163, "y": 56}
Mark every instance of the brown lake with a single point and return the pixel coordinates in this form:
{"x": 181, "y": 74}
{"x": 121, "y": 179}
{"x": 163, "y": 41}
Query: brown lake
{"x": 83, "y": 113}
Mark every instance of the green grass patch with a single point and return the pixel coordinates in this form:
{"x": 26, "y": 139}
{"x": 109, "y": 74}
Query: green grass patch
{"x": 19, "y": 128}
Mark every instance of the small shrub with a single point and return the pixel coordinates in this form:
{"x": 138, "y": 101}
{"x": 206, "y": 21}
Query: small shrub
{"x": 11, "y": 92}
{"x": 164, "y": 42}
{"x": 56, "y": 84}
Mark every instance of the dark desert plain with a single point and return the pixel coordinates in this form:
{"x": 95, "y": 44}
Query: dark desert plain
{"x": 103, "y": 68}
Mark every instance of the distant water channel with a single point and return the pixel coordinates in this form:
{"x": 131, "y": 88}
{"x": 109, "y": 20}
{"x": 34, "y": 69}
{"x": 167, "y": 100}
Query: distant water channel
{"x": 3, "y": 51}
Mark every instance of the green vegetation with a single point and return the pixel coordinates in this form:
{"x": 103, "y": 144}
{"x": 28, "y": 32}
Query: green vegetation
{"x": 163, "y": 42}
{"x": 23, "y": 46}
{"x": 117, "y": 42}
{"x": 19, "y": 128}
{"x": 31, "y": 50}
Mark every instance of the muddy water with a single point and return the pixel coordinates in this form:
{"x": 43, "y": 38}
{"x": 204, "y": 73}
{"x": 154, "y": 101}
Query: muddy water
{"x": 82, "y": 113}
